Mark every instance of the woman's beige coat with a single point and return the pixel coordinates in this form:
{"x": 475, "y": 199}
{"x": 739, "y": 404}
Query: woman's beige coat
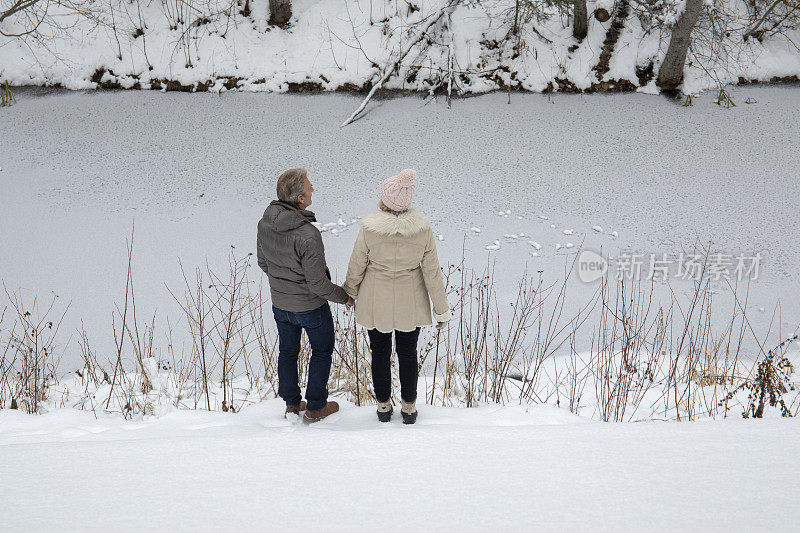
{"x": 394, "y": 273}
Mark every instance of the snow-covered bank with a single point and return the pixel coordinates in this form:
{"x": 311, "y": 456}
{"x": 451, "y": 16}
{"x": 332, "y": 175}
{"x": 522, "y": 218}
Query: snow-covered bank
{"x": 467, "y": 470}
{"x": 333, "y": 44}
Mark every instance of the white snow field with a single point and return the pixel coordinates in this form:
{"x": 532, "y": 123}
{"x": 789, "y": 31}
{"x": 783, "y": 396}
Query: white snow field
{"x": 506, "y": 469}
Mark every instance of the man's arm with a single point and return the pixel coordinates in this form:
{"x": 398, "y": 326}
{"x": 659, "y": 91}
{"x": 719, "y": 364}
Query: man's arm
{"x": 312, "y": 259}
{"x": 262, "y": 260}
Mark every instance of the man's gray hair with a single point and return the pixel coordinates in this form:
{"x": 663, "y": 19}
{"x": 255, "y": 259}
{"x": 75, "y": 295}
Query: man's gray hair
{"x": 292, "y": 184}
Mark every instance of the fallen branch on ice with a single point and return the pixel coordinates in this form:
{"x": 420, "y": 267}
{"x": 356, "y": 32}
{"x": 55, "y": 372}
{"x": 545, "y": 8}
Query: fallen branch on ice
{"x": 392, "y": 66}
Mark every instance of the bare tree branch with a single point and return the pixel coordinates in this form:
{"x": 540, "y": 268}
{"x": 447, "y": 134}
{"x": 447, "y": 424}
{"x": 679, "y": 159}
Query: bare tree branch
{"x": 754, "y": 28}
{"x": 16, "y": 7}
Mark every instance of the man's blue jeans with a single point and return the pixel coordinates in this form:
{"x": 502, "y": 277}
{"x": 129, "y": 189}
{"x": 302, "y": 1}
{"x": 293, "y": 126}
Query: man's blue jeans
{"x": 318, "y": 324}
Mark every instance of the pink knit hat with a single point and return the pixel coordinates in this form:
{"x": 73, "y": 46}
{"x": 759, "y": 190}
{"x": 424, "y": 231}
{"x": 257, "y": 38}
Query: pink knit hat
{"x": 397, "y": 191}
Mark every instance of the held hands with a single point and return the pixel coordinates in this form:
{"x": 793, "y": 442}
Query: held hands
{"x": 350, "y": 302}
{"x": 441, "y": 325}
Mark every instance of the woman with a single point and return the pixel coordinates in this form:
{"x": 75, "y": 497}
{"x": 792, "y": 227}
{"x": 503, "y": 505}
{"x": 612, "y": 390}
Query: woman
{"x": 393, "y": 272}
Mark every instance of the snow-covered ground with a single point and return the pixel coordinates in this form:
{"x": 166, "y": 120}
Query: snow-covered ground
{"x": 196, "y": 171}
{"x": 505, "y": 468}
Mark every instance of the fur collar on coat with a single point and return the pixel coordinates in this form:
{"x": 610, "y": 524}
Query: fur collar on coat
{"x": 409, "y": 222}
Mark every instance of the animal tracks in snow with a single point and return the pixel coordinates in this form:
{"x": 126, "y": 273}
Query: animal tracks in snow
{"x": 543, "y": 235}
{"x": 336, "y": 228}
{"x": 546, "y": 237}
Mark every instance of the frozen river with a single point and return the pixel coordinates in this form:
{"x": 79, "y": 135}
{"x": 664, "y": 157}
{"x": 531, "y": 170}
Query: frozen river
{"x": 196, "y": 171}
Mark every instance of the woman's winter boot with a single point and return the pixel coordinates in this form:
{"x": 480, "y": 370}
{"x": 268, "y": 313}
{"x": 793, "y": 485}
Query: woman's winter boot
{"x": 385, "y": 411}
{"x": 409, "y": 411}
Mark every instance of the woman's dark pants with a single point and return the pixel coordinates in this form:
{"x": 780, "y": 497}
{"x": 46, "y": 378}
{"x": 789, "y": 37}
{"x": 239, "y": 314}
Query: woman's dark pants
{"x": 406, "y": 346}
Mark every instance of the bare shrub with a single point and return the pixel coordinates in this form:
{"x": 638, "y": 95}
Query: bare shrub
{"x": 644, "y": 360}
{"x": 768, "y": 386}
{"x": 221, "y": 324}
{"x": 29, "y": 363}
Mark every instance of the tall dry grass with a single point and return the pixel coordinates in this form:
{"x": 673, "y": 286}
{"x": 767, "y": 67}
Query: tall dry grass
{"x": 646, "y": 359}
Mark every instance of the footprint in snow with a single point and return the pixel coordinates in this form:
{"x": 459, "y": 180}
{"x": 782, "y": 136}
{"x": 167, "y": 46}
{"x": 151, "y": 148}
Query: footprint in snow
{"x": 328, "y": 226}
{"x": 598, "y": 229}
{"x": 569, "y": 245}
{"x": 543, "y": 217}
{"x": 567, "y": 232}
{"x": 614, "y": 234}
{"x": 535, "y": 245}
{"x": 475, "y": 229}
{"x": 553, "y": 226}
{"x": 493, "y": 246}
{"x": 558, "y": 246}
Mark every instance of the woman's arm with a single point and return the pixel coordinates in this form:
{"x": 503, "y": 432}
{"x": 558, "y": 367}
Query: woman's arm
{"x": 434, "y": 281}
{"x": 358, "y": 265}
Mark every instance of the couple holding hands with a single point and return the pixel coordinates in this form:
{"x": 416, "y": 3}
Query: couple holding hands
{"x": 392, "y": 278}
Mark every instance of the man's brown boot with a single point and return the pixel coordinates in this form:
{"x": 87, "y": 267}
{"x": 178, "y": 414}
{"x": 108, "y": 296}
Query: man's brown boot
{"x": 316, "y": 416}
{"x": 295, "y": 409}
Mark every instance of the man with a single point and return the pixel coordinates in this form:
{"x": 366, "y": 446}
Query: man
{"x": 291, "y": 252}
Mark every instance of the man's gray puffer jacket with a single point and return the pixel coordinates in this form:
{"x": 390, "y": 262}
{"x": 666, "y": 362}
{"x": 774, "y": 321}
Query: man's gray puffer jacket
{"x": 291, "y": 252}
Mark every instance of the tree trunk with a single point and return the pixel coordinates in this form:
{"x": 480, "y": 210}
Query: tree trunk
{"x": 280, "y": 11}
{"x": 671, "y": 72}
{"x": 581, "y": 19}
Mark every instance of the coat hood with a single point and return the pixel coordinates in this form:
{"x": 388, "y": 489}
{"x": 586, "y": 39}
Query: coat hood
{"x": 408, "y": 222}
{"x": 285, "y": 217}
